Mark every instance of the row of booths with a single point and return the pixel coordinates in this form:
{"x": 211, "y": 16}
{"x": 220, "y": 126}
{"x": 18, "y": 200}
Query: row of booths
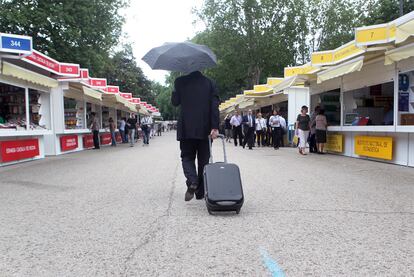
{"x": 366, "y": 88}
{"x": 45, "y": 105}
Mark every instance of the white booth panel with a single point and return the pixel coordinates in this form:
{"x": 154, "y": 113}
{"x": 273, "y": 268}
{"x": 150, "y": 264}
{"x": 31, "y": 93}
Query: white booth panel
{"x": 411, "y": 150}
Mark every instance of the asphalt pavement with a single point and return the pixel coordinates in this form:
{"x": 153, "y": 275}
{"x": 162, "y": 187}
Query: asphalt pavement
{"x": 121, "y": 212}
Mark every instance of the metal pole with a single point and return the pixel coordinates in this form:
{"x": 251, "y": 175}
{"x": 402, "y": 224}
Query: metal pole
{"x": 401, "y": 7}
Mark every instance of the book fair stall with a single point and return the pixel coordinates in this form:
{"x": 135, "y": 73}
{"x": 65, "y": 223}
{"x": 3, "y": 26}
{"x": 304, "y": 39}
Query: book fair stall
{"x": 27, "y": 79}
{"x": 46, "y": 105}
{"x": 367, "y": 90}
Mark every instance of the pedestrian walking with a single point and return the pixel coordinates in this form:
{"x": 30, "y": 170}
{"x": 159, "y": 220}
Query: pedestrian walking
{"x": 199, "y": 117}
{"x": 122, "y": 124}
{"x": 312, "y": 138}
{"x": 146, "y": 123}
{"x": 276, "y": 127}
{"x": 260, "y": 130}
{"x": 227, "y": 128}
{"x": 321, "y": 125}
{"x": 302, "y": 129}
{"x": 132, "y": 125}
{"x": 284, "y": 130}
{"x": 95, "y": 126}
{"x": 236, "y": 122}
{"x": 112, "y": 128}
{"x": 159, "y": 130}
{"x": 249, "y": 123}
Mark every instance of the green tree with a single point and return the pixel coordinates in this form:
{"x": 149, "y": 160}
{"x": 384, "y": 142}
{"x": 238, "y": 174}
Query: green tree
{"x": 382, "y": 11}
{"x": 74, "y": 31}
{"x": 122, "y": 70}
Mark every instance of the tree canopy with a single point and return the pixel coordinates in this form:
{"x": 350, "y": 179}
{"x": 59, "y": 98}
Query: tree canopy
{"x": 255, "y": 39}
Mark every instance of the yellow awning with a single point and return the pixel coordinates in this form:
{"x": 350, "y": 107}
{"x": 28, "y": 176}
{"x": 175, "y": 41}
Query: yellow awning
{"x": 399, "y": 54}
{"x": 286, "y": 83}
{"x": 405, "y": 27}
{"x": 273, "y": 81}
{"x": 12, "y": 70}
{"x": 259, "y": 91}
{"x": 246, "y": 103}
{"x": 142, "y": 110}
{"x": 262, "y": 88}
{"x": 92, "y": 93}
{"x": 340, "y": 70}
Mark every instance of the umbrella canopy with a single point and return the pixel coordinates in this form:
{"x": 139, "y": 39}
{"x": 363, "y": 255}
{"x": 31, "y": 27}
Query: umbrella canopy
{"x": 183, "y": 57}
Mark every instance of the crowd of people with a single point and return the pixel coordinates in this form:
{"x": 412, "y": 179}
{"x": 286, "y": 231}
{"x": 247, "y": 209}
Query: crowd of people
{"x": 128, "y": 129}
{"x": 269, "y": 130}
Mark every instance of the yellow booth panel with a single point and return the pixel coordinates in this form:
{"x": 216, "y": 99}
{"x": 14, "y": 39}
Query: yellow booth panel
{"x": 374, "y": 147}
{"x": 334, "y": 143}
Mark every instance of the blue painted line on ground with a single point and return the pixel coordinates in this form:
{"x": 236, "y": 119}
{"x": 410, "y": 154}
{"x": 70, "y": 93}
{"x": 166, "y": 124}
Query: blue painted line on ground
{"x": 271, "y": 264}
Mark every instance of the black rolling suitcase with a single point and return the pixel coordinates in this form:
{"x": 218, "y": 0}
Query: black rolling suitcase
{"x": 222, "y": 185}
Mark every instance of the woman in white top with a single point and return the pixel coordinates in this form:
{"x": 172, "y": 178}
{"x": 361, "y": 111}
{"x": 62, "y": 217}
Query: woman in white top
{"x": 260, "y": 129}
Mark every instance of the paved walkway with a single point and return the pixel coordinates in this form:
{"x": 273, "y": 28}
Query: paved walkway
{"x": 120, "y": 212}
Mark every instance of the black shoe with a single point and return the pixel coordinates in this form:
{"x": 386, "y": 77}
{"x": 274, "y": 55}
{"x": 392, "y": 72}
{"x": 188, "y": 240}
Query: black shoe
{"x": 189, "y": 194}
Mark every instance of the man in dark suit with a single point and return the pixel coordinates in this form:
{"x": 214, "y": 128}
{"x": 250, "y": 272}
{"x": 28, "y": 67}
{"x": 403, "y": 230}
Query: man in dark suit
{"x": 199, "y": 118}
{"x": 249, "y": 123}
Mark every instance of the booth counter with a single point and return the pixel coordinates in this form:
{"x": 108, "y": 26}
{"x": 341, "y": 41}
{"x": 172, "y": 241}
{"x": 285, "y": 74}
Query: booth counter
{"x": 371, "y": 111}
{"x": 25, "y": 112}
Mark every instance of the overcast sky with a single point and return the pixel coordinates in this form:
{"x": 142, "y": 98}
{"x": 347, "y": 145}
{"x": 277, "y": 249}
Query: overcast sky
{"x": 150, "y": 23}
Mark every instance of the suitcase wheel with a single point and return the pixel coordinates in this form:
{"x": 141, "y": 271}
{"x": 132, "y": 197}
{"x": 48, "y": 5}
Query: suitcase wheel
{"x": 210, "y": 212}
{"x": 237, "y": 211}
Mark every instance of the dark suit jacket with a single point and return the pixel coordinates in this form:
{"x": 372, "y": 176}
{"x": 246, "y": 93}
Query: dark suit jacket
{"x": 245, "y": 121}
{"x": 199, "y": 101}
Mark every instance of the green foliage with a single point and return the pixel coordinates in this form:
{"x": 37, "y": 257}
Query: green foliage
{"x": 75, "y": 31}
{"x": 382, "y": 11}
{"x": 124, "y": 72}
{"x": 255, "y": 39}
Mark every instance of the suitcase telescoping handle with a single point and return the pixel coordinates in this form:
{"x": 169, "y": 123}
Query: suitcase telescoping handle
{"x": 224, "y": 147}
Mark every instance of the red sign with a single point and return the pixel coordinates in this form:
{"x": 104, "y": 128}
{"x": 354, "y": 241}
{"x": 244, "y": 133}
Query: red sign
{"x": 135, "y": 100}
{"x": 126, "y": 95}
{"x": 87, "y": 141}
{"x": 118, "y": 137}
{"x": 106, "y": 139}
{"x": 97, "y": 82}
{"x": 84, "y": 73}
{"x": 49, "y": 64}
{"x": 15, "y": 150}
{"x": 111, "y": 89}
{"x": 69, "y": 69}
{"x": 43, "y": 61}
{"x": 68, "y": 142}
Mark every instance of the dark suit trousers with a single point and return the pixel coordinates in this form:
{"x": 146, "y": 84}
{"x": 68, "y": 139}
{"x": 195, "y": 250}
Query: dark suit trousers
{"x": 276, "y": 136}
{"x": 190, "y": 149}
{"x": 249, "y": 138}
{"x": 237, "y": 132}
{"x": 96, "y": 139}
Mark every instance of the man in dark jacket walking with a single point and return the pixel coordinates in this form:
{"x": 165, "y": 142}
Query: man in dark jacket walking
{"x": 199, "y": 118}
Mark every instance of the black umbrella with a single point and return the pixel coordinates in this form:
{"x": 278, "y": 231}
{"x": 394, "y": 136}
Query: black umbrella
{"x": 180, "y": 57}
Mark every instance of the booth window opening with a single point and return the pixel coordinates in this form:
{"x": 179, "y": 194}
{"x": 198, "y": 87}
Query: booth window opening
{"x": 12, "y": 108}
{"x": 330, "y": 102}
{"x": 74, "y": 113}
{"x": 369, "y": 106}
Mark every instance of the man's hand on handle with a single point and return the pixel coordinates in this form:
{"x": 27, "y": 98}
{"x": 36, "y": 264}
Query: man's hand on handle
{"x": 214, "y": 133}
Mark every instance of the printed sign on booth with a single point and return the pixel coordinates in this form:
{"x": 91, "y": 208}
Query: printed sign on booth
{"x": 87, "y": 141}
{"x": 15, "y": 44}
{"x": 68, "y": 143}
{"x": 15, "y": 150}
{"x": 374, "y": 147}
{"x": 334, "y": 143}
{"x": 106, "y": 139}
